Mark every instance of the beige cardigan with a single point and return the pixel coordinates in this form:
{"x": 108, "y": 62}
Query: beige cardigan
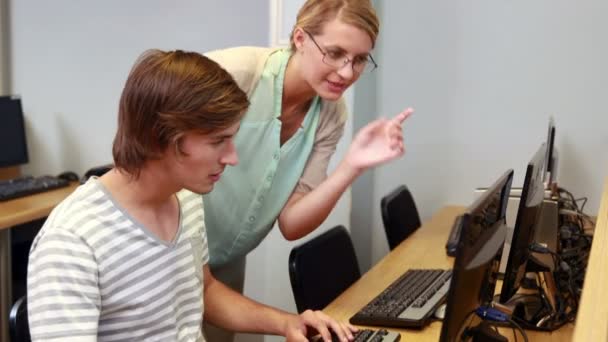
{"x": 246, "y": 64}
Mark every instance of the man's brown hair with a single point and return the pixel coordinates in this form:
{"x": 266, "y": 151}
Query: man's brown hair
{"x": 166, "y": 95}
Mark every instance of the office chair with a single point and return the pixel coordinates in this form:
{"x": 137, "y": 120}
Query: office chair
{"x": 322, "y": 268}
{"x": 399, "y": 215}
{"x": 17, "y": 321}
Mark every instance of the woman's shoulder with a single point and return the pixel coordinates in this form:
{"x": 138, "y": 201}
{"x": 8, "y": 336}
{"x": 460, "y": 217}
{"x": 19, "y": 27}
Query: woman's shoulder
{"x": 333, "y": 112}
{"x": 244, "y": 63}
{"x": 239, "y": 54}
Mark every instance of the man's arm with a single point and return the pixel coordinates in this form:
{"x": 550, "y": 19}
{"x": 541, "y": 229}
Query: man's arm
{"x": 231, "y": 310}
{"x": 62, "y": 293}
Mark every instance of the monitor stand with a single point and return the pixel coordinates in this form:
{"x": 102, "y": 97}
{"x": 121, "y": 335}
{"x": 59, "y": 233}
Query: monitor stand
{"x": 485, "y": 332}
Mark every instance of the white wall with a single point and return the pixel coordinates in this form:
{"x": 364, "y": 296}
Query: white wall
{"x": 484, "y": 76}
{"x": 4, "y": 68}
{"x": 70, "y": 60}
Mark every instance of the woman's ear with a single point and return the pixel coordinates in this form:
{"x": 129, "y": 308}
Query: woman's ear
{"x": 298, "y": 37}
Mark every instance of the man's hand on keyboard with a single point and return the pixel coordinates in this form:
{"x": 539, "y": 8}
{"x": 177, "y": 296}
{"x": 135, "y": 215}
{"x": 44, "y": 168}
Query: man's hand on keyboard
{"x": 310, "y": 323}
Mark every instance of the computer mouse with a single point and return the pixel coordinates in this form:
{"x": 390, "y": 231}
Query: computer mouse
{"x": 69, "y": 176}
{"x": 440, "y": 311}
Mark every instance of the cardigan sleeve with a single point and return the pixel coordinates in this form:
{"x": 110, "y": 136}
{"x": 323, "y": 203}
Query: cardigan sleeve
{"x": 330, "y": 130}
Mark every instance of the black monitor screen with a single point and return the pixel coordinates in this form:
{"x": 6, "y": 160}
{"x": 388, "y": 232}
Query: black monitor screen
{"x": 530, "y": 205}
{"x": 477, "y": 258}
{"x": 13, "y": 148}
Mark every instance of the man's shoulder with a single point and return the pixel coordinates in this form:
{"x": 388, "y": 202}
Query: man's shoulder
{"x": 77, "y": 213}
{"x": 191, "y": 205}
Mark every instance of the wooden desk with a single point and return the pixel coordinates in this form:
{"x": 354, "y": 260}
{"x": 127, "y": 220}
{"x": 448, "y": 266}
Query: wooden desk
{"x": 13, "y": 213}
{"x": 592, "y": 318}
{"x": 424, "y": 249}
{"x": 30, "y": 208}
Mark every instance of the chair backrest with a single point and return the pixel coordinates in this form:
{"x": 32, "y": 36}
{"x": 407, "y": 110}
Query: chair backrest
{"x": 17, "y": 321}
{"x": 322, "y": 268}
{"x": 399, "y": 215}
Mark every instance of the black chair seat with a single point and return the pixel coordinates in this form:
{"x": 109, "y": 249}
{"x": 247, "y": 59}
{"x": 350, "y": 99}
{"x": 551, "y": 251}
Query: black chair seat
{"x": 17, "y": 321}
{"x": 322, "y": 268}
{"x": 399, "y": 215}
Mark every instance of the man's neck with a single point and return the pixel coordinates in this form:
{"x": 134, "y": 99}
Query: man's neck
{"x": 149, "y": 190}
{"x": 149, "y": 198}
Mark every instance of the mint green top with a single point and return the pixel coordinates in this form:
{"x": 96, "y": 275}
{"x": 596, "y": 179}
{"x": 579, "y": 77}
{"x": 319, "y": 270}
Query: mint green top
{"x": 245, "y": 203}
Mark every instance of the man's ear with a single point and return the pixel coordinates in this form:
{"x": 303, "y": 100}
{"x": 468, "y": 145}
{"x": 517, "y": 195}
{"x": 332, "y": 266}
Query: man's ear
{"x": 177, "y": 146}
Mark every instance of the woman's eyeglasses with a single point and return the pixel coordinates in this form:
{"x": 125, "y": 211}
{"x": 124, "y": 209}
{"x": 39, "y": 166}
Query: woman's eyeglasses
{"x": 338, "y": 60}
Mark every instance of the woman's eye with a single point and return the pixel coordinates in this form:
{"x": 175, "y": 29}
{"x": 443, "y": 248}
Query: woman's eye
{"x": 335, "y": 54}
{"x": 360, "y": 60}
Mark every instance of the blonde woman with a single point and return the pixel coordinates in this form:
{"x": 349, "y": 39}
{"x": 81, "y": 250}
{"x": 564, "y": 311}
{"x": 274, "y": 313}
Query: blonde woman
{"x": 290, "y": 132}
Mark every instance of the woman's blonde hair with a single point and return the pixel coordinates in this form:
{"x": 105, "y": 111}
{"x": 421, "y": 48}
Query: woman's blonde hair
{"x": 314, "y": 14}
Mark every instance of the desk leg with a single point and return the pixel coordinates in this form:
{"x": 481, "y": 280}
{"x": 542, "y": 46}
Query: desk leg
{"x": 5, "y": 282}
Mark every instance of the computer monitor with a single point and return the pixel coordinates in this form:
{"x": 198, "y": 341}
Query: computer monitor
{"x": 526, "y": 222}
{"x": 550, "y": 171}
{"x": 477, "y": 258}
{"x": 13, "y": 147}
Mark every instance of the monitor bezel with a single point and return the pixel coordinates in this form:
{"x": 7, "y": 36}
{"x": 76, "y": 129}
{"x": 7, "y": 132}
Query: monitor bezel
{"x": 24, "y": 157}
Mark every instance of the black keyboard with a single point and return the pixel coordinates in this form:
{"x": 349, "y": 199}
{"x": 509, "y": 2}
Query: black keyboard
{"x": 408, "y": 302}
{"x": 368, "y": 335}
{"x": 24, "y": 186}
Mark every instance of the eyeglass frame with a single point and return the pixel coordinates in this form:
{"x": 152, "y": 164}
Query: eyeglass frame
{"x": 346, "y": 60}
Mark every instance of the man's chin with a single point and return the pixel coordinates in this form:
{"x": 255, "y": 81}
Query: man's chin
{"x": 203, "y": 190}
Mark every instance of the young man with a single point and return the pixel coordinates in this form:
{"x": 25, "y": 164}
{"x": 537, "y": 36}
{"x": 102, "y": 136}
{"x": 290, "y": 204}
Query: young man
{"x": 124, "y": 258}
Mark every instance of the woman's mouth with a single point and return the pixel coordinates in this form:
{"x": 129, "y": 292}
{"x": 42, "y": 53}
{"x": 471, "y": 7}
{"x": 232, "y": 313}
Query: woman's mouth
{"x": 336, "y": 87}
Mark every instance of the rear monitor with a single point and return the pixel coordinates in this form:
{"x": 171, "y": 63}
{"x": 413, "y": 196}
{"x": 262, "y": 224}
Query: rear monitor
{"x": 526, "y": 223}
{"x": 13, "y": 147}
{"x": 550, "y": 170}
{"x": 477, "y": 258}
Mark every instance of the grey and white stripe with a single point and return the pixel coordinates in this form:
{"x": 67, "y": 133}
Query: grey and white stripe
{"x": 96, "y": 274}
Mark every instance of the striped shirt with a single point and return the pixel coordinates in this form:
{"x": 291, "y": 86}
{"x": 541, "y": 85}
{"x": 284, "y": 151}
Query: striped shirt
{"x": 96, "y": 274}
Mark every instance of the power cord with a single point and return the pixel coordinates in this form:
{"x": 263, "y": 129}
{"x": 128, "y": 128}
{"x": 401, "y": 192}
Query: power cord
{"x": 563, "y": 275}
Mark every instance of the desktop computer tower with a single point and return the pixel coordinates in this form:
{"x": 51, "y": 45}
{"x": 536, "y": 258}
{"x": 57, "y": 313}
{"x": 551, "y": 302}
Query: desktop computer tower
{"x": 546, "y": 232}
{"x": 13, "y": 267}
{"x": 21, "y": 238}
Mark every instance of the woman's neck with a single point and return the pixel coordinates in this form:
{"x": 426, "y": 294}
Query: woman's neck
{"x": 297, "y": 93}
